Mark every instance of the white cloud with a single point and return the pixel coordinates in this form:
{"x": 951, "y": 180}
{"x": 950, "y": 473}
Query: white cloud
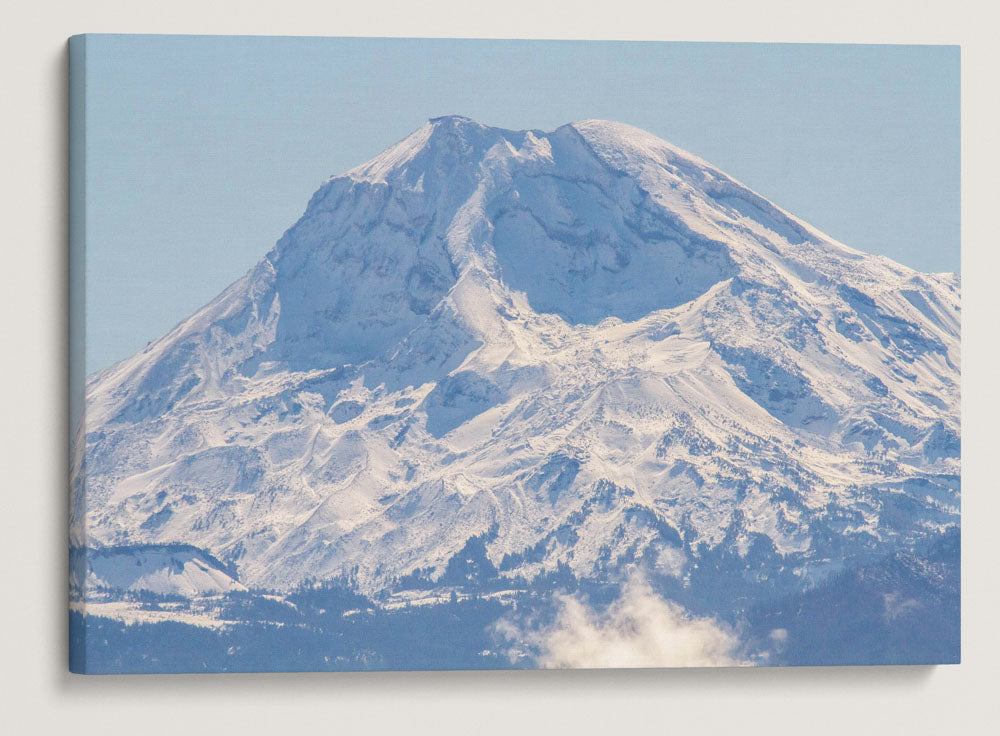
{"x": 640, "y": 629}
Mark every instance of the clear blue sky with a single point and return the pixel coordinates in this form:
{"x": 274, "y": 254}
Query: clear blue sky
{"x": 202, "y": 150}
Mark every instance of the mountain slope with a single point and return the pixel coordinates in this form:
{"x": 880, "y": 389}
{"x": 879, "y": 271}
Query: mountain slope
{"x": 583, "y": 347}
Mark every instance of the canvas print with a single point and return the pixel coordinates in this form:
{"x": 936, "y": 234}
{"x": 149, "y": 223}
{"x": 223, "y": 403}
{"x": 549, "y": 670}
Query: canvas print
{"x": 439, "y": 354}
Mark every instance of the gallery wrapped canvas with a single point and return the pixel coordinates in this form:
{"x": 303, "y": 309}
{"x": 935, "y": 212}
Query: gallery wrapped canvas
{"x": 518, "y": 392}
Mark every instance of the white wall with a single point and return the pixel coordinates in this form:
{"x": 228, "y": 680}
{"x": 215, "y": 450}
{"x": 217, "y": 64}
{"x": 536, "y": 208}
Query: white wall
{"x": 37, "y": 694}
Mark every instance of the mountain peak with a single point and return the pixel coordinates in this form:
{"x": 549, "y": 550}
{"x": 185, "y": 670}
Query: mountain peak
{"x": 630, "y": 148}
{"x": 452, "y": 148}
{"x": 448, "y": 136}
{"x": 455, "y": 120}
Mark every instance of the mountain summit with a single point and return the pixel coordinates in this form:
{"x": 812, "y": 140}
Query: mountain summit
{"x": 531, "y": 351}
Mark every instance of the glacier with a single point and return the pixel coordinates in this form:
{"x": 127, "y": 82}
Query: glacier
{"x": 514, "y": 354}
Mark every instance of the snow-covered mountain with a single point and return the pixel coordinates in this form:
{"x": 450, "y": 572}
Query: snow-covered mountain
{"x": 161, "y": 569}
{"x": 584, "y": 347}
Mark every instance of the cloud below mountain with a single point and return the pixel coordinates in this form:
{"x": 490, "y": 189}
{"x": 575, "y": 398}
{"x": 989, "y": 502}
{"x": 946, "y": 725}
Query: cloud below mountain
{"x": 640, "y": 629}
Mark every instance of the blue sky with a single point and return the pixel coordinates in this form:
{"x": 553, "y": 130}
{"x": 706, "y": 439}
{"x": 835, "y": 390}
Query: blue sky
{"x": 202, "y": 150}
